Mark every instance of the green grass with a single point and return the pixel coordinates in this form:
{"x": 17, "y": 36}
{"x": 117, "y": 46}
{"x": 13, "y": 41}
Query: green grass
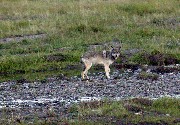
{"x": 73, "y": 25}
{"x": 157, "y": 111}
{"x": 167, "y": 105}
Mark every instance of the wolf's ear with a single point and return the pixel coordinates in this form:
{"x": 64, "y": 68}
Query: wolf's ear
{"x": 112, "y": 48}
{"x": 104, "y": 53}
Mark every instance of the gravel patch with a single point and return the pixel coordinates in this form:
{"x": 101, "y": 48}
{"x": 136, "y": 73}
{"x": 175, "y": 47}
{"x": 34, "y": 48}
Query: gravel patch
{"x": 40, "y": 98}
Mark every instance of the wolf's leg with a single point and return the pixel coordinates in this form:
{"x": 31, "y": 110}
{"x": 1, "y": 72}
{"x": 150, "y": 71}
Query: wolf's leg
{"x": 82, "y": 75}
{"x": 107, "y": 70}
{"x": 85, "y": 72}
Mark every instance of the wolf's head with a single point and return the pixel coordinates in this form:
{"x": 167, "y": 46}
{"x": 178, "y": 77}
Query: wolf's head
{"x": 115, "y": 52}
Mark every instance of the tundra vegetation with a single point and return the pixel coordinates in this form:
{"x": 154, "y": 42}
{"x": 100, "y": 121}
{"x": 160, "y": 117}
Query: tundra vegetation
{"x": 70, "y": 26}
{"x": 137, "y": 111}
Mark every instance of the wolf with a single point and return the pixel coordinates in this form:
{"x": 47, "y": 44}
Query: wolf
{"x": 105, "y": 57}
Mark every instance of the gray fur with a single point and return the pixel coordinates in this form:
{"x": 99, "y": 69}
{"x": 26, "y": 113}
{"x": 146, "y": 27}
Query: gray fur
{"x": 105, "y": 57}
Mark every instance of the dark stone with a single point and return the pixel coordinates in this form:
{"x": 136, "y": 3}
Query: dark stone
{"x": 133, "y": 108}
{"x": 21, "y": 80}
{"x": 176, "y": 121}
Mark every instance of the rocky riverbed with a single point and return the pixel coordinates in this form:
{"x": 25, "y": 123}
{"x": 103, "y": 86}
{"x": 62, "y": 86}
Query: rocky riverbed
{"x": 29, "y": 99}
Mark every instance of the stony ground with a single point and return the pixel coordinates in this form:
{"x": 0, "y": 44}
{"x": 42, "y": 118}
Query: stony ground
{"x": 21, "y": 37}
{"x": 29, "y": 99}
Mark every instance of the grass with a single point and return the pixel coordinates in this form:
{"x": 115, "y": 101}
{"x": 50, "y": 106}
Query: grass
{"x": 132, "y": 111}
{"x": 125, "y": 111}
{"x": 73, "y": 25}
{"x": 70, "y": 27}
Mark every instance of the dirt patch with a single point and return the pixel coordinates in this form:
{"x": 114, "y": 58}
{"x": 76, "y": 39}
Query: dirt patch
{"x": 161, "y": 59}
{"x": 143, "y": 101}
{"x": 56, "y": 57}
{"x": 93, "y": 104}
{"x": 22, "y": 37}
{"x": 164, "y": 69}
{"x": 145, "y": 75}
{"x": 133, "y": 108}
{"x": 154, "y": 58}
{"x": 14, "y": 72}
{"x": 153, "y": 69}
{"x": 133, "y": 67}
{"x": 172, "y": 23}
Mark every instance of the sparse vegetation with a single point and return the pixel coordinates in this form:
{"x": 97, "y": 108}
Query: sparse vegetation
{"x": 133, "y": 111}
{"x": 144, "y": 75}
